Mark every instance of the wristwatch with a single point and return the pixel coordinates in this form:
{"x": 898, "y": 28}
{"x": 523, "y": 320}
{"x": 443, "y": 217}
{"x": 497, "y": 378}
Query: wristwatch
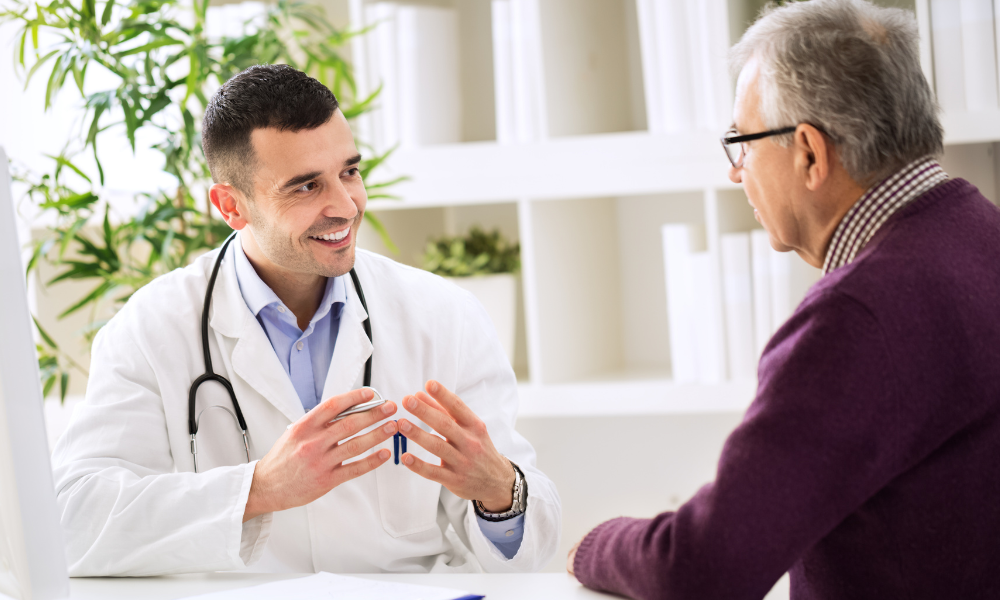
{"x": 519, "y": 499}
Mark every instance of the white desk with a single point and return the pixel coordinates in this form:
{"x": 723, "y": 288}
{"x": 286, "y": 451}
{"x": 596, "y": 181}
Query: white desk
{"x": 548, "y": 586}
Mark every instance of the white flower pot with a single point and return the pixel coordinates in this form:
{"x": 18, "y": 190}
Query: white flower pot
{"x": 498, "y": 294}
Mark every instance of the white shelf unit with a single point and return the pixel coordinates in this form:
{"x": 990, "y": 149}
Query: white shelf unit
{"x": 586, "y": 198}
{"x": 586, "y": 201}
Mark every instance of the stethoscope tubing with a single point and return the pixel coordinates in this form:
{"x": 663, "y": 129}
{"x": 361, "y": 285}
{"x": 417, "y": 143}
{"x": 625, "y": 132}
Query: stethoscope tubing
{"x": 210, "y": 374}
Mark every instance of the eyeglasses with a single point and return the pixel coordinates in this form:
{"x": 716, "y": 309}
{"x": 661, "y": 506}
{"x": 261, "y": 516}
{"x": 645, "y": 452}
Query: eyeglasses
{"x": 736, "y": 146}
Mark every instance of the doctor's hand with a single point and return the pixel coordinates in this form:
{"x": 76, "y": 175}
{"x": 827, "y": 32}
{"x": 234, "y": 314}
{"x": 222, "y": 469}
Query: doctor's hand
{"x": 308, "y": 460}
{"x": 471, "y": 467}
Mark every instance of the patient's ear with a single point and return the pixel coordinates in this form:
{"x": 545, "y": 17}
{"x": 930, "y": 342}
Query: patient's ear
{"x": 230, "y": 203}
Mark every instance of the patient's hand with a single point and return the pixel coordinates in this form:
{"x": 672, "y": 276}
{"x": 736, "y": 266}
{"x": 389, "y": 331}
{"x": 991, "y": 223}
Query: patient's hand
{"x": 572, "y": 557}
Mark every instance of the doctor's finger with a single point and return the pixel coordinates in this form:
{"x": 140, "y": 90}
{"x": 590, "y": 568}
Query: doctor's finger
{"x": 454, "y": 405}
{"x": 328, "y": 409}
{"x": 348, "y": 449}
{"x": 430, "y": 442}
{"x": 426, "y": 470}
{"x": 439, "y": 420}
{"x": 348, "y": 426}
{"x": 358, "y": 468}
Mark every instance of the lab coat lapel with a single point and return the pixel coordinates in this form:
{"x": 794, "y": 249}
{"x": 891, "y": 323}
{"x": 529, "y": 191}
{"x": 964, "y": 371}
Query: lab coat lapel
{"x": 352, "y": 350}
{"x": 253, "y": 357}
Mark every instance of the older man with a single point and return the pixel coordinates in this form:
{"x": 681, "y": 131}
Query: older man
{"x": 867, "y": 464}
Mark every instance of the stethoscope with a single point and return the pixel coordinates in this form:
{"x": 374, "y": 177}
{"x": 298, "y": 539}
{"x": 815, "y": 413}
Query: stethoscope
{"x": 210, "y": 375}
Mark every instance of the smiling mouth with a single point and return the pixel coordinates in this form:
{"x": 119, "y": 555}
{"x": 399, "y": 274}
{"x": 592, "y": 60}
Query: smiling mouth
{"x": 333, "y": 237}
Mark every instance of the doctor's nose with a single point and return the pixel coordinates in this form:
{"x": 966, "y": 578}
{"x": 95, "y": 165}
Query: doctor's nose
{"x": 339, "y": 203}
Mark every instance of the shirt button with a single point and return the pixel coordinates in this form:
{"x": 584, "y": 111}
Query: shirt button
{"x": 509, "y": 533}
{"x": 281, "y": 309}
{"x": 299, "y": 346}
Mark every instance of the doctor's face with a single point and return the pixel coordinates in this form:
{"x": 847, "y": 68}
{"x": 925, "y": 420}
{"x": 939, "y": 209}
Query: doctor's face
{"x": 308, "y": 198}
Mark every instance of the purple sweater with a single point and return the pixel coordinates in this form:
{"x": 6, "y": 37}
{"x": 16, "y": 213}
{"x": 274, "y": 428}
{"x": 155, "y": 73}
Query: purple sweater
{"x": 869, "y": 463}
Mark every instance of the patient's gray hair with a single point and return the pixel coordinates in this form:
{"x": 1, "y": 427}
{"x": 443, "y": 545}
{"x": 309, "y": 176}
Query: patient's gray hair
{"x": 852, "y": 70}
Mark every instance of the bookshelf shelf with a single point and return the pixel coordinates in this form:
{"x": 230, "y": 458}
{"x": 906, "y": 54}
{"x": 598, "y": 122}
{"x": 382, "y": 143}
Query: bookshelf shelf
{"x": 625, "y": 396}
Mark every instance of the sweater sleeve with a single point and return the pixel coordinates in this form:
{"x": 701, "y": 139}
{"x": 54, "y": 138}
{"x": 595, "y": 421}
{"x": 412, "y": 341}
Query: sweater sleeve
{"x": 820, "y": 438}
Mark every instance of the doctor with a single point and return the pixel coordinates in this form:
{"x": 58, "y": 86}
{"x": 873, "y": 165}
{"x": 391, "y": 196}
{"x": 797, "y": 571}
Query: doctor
{"x": 286, "y": 326}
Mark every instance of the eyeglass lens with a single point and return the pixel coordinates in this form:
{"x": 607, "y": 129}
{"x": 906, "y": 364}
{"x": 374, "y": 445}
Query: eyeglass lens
{"x": 734, "y": 151}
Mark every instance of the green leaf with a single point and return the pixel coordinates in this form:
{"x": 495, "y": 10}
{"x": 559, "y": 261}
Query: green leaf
{"x": 106, "y": 15}
{"x": 63, "y": 161}
{"x": 49, "y": 382}
{"x": 20, "y": 53}
{"x": 63, "y": 386}
{"x": 382, "y": 232}
{"x": 96, "y": 294}
{"x": 168, "y": 41}
{"x": 44, "y": 335}
{"x": 38, "y": 64}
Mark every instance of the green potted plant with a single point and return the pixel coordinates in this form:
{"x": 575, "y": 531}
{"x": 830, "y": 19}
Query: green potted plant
{"x": 486, "y": 264}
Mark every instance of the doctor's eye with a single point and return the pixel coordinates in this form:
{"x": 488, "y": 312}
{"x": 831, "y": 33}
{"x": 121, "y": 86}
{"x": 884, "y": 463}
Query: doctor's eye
{"x": 308, "y": 187}
{"x": 353, "y": 172}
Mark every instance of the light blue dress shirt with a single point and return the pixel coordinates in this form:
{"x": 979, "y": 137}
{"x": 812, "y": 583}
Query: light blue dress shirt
{"x": 306, "y": 355}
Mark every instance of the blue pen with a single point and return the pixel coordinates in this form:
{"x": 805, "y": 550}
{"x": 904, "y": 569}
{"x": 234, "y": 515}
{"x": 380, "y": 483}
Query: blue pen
{"x": 398, "y": 440}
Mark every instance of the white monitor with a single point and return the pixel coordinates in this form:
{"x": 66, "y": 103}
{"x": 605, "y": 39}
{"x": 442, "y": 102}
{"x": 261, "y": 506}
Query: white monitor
{"x": 32, "y": 554}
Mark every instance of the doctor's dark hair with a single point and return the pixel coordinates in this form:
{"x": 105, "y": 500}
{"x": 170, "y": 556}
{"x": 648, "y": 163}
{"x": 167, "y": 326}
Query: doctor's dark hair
{"x": 262, "y": 96}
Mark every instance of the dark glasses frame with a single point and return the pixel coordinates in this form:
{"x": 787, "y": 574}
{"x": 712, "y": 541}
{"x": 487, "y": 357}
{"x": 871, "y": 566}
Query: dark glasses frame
{"x": 728, "y": 140}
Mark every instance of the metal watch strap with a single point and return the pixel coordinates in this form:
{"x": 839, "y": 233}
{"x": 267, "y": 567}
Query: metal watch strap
{"x": 519, "y": 499}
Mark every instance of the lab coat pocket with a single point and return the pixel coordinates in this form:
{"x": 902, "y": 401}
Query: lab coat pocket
{"x": 407, "y": 502}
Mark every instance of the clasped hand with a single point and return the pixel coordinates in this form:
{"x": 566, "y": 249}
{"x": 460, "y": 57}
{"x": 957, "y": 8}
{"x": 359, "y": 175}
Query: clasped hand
{"x": 309, "y": 459}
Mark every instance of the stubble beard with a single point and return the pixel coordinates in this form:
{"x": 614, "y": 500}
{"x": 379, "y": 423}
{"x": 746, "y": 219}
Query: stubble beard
{"x": 282, "y": 249}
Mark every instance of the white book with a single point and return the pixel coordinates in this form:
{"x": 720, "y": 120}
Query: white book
{"x": 949, "y": 67}
{"x": 530, "y": 110}
{"x": 429, "y": 100}
{"x": 737, "y": 299}
{"x": 708, "y": 51}
{"x": 380, "y": 45}
{"x": 791, "y": 278}
{"x": 664, "y": 32}
{"x": 681, "y": 301}
{"x": 781, "y": 288}
{"x": 519, "y": 78}
{"x": 503, "y": 72}
{"x": 979, "y": 53}
{"x": 760, "y": 269}
{"x": 708, "y": 335}
{"x": 996, "y": 46}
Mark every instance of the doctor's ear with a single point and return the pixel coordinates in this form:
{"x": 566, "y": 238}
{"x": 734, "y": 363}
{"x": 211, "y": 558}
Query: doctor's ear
{"x": 229, "y": 201}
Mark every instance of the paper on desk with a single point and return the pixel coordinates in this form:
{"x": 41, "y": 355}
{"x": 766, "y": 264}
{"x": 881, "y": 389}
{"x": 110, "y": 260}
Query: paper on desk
{"x": 327, "y": 586}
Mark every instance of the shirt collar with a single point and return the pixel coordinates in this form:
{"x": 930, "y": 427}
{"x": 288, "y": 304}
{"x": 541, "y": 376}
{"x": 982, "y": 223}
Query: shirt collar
{"x": 876, "y": 205}
{"x": 259, "y": 296}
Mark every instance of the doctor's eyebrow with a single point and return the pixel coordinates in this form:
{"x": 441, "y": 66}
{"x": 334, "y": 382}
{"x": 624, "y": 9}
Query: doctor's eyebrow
{"x": 353, "y": 160}
{"x": 298, "y": 180}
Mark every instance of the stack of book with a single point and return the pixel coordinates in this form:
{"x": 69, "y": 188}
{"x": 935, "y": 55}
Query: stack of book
{"x": 414, "y": 52}
{"x": 965, "y": 54}
{"x": 684, "y": 44}
{"x": 720, "y": 325}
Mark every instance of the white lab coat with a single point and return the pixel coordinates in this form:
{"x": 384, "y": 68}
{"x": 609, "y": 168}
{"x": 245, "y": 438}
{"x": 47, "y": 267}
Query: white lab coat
{"x": 131, "y": 503}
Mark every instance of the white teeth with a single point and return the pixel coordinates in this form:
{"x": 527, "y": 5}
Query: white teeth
{"x": 334, "y": 237}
